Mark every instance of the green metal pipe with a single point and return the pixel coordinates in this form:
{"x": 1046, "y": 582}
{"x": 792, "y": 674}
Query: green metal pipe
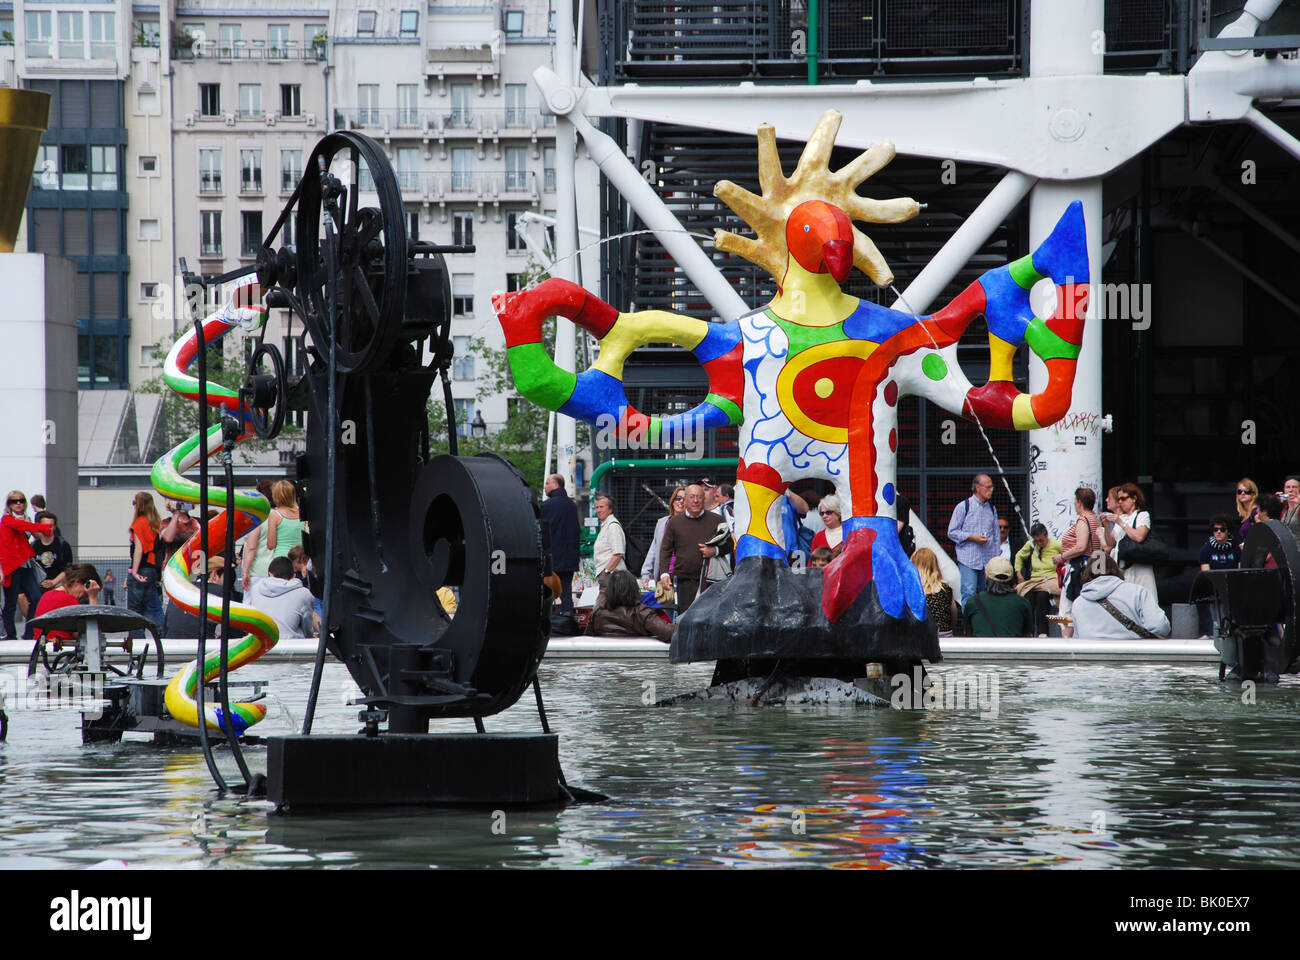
{"x": 813, "y": 45}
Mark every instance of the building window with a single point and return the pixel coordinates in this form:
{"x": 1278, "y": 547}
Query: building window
{"x": 210, "y": 99}
{"x": 290, "y": 100}
{"x": 366, "y": 23}
{"x": 550, "y": 22}
{"x": 149, "y": 291}
{"x": 230, "y": 33}
{"x": 290, "y": 171}
{"x": 464, "y": 417}
{"x": 513, "y": 240}
{"x": 72, "y": 35}
{"x": 148, "y": 166}
{"x": 462, "y": 364}
{"x": 516, "y": 100}
{"x": 210, "y": 233}
{"x": 462, "y": 229}
{"x": 516, "y": 168}
{"x": 74, "y": 161}
{"x": 277, "y": 39}
{"x": 148, "y": 33}
{"x": 103, "y": 168}
{"x": 250, "y": 232}
{"x": 103, "y": 39}
{"x": 150, "y": 230}
{"x": 513, "y": 282}
{"x": 514, "y": 23}
{"x": 461, "y": 115}
{"x": 367, "y": 103}
{"x": 45, "y": 175}
{"x": 462, "y": 168}
{"x": 250, "y": 171}
{"x": 407, "y": 113}
{"x": 39, "y": 34}
{"x": 410, "y": 23}
{"x": 408, "y": 166}
{"x": 210, "y": 171}
{"x": 287, "y": 236}
{"x": 250, "y": 99}
{"x": 462, "y": 294}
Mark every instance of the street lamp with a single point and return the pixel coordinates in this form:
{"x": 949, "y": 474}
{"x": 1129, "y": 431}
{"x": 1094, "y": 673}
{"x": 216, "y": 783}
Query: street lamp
{"x": 477, "y": 427}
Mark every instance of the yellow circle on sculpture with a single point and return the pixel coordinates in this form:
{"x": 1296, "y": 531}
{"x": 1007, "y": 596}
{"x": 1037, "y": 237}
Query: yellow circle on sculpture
{"x": 807, "y": 421}
{"x": 823, "y": 387}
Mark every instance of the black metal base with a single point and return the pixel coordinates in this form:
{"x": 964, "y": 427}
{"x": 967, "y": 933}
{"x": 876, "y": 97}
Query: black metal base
{"x": 509, "y": 769}
{"x": 138, "y": 706}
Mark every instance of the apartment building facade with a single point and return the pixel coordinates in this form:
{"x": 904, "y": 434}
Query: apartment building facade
{"x": 447, "y": 90}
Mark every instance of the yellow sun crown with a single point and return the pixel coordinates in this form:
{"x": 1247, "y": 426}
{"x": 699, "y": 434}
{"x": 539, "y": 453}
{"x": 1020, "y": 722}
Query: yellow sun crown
{"x": 812, "y": 180}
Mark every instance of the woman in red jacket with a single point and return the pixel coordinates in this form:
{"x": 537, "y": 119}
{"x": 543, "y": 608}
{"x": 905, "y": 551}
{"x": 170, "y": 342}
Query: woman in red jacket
{"x": 15, "y": 560}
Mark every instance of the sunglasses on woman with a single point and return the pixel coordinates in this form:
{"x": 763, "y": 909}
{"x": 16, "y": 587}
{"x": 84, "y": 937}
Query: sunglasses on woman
{"x": 17, "y": 501}
{"x": 1242, "y": 491}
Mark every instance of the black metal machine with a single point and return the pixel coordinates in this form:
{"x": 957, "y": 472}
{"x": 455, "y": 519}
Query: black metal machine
{"x": 391, "y": 524}
{"x": 1256, "y": 606}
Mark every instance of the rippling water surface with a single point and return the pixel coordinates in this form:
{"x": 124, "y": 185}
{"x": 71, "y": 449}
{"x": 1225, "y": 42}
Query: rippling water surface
{"x": 1083, "y": 766}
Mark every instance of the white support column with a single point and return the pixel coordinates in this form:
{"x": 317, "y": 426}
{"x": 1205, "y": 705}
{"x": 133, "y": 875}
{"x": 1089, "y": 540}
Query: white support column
{"x": 566, "y": 235}
{"x": 1067, "y": 40}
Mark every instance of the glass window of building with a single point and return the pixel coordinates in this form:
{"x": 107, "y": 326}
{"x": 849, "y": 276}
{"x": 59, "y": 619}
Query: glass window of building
{"x": 103, "y": 168}
{"x": 410, "y": 23}
{"x": 548, "y": 167}
{"x": 460, "y": 101}
{"x": 462, "y": 228}
{"x": 6, "y": 28}
{"x": 513, "y": 240}
{"x": 408, "y": 166}
{"x": 366, "y": 23}
{"x": 464, "y": 417}
{"x": 149, "y": 291}
{"x": 250, "y": 99}
{"x": 148, "y": 33}
{"x": 74, "y": 161}
{"x": 210, "y": 170}
{"x": 148, "y": 166}
{"x": 407, "y": 97}
{"x": 516, "y": 168}
{"x": 462, "y": 364}
{"x": 550, "y": 22}
{"x": 72, "y": 35}
{"x": 210, "y": 99}
{"x": 462, "y": 168}
{"x": 514, "y": 282}
{"x": 210, "y": 233}
{"x": 40, "y": 32}
{"x": 367, "y": 103}
{"x": 250, "y": 171}
{"x": 230, "y": 36}
{"x": 250, "y": 232}
{"x": 290, "y": 170}
{"x": 462, "y": 294}
{"x": 103, "y": 39}
{"x": 277, "y": 39}
{"x": 45, "y": 175}
{"x": 287, "y": 236}
{"x": 290, "y": 100}
{"x": 514, "y": 23}
{"x": 516, "y": 104}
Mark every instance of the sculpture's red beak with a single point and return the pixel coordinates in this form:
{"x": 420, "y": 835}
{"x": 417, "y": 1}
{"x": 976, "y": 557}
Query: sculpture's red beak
{"x": 838, "y": 255}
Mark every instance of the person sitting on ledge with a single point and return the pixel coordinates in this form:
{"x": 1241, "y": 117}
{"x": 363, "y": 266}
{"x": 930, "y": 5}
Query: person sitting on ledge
{"x": 286, "y": 601}
{"x": 999, "y": 611}
{"x": 624, "y": 615}
{"x": 80, "y": 585}
{"x": 1109, "y": 608}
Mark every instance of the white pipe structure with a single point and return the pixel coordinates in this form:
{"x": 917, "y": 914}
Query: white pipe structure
{"x": 566, "y": 234}
{"x": 1275, "y": 133}
{"x": 1067, "y": 455}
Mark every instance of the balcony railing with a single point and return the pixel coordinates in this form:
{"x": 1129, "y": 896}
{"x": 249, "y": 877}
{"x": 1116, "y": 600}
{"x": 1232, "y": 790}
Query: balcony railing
{"x": 210, "y": 249}
{"x": 250, "y": 186}
{"x": 246, "y": 50}
{"x": 289, "y": 180}
{"x": 210, "y": 183}
{"x": 445, "y": 121}
{"x": 465, "y": 186}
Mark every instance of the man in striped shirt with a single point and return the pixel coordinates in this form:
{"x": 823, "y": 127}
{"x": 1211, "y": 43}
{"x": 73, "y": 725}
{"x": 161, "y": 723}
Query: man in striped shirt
{"x": 974, "y": 529}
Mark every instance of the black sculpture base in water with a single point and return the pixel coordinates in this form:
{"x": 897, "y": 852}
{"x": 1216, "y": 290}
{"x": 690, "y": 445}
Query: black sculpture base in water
{"x": 768, "y": 612}
{"x": 315, "y": 772}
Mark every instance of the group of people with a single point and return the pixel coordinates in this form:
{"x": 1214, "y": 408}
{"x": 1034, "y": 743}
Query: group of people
{"x": 275, "y": 573}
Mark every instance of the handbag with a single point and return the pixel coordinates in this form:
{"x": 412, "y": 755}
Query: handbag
{"x": 1150, "y": 551}
{"x": 1125, "y": 622}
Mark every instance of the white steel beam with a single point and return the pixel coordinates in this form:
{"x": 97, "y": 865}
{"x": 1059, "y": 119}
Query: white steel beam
{"x": 566, "y": 237}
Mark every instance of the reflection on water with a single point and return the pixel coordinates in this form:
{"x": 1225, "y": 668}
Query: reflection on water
{"x": 1084, "y": 766}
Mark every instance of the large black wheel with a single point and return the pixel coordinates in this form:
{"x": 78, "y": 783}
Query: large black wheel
{"x": 367, "y": 259}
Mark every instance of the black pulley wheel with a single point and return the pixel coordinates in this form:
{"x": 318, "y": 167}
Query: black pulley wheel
{"x": 366, "y": 263}
{"x": 266, "y": 393}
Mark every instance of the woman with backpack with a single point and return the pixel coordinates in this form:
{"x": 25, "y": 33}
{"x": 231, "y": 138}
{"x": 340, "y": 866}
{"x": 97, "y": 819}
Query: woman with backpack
{"x": 1080, "y": 542}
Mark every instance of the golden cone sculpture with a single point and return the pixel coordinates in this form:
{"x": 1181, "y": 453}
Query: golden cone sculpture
{"x": 24, "y": 116}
